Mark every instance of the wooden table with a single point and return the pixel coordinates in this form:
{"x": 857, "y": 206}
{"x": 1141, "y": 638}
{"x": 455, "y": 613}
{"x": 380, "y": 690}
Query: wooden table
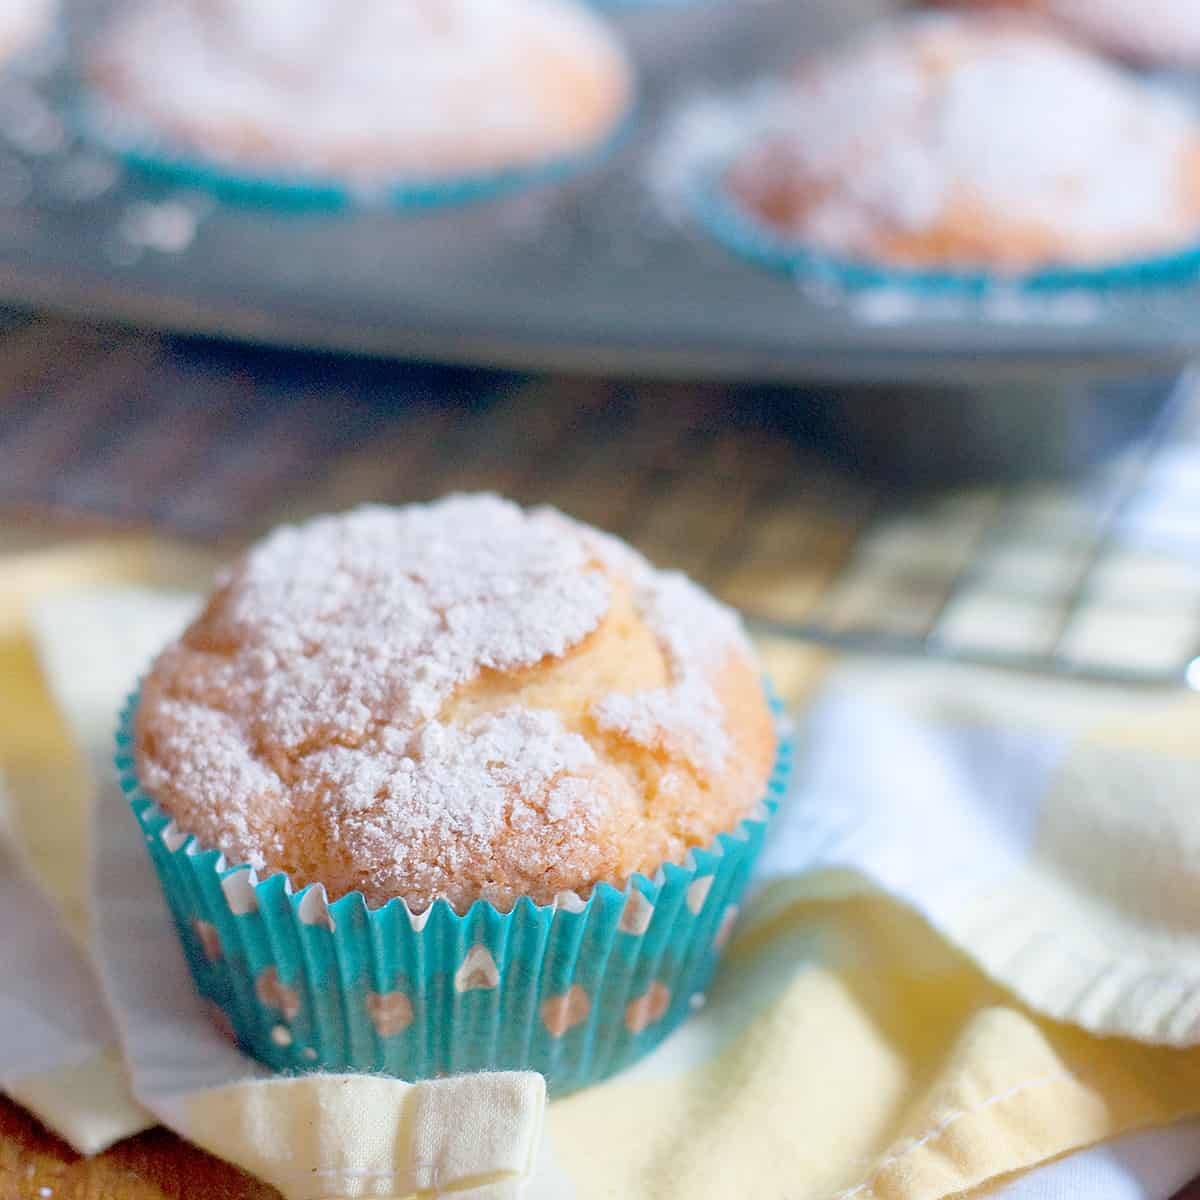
{"x": 105, "y": 430}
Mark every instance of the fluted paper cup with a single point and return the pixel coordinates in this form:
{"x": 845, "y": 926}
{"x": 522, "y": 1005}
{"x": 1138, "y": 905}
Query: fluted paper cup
{"x": 576, "y": 990}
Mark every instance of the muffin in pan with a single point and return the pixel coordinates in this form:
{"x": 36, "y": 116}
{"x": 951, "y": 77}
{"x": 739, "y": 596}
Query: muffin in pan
{"x": 402, "y": 100}
{"x": 485, "y": 764}
{"x": 974, "y": 146}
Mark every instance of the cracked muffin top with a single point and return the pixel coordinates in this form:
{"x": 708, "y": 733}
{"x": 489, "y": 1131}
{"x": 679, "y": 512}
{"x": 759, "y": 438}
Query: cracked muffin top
{"x": 462, "y": 699}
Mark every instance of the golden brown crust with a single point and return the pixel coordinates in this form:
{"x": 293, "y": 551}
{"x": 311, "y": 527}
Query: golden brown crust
{"x": 595, "y": 801}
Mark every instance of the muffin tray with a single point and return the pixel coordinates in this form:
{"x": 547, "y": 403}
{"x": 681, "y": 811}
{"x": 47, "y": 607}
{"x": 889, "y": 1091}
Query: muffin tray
{"x": 594, "y": 273}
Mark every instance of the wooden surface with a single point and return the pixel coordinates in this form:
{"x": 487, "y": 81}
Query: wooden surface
{"x": 35, "y": 1165}
{"x": 103, "y": 429}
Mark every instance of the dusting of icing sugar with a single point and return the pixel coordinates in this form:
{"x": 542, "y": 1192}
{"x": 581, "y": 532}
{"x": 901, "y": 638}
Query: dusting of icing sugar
{"x": 389, "y": 610}
{"x": 201, "y": 752}
{"x": 513, "y": 768}
{"x": 888, "y": 135}
{"x": 696, "y": 633}
{"x": 700, "y": 134}
{"x": 309, "y": 696}
{"x": 367, "y": 89}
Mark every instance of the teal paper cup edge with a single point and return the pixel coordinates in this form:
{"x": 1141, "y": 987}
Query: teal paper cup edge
{"x": 576, "y": 990}
{"x": 156, "y": 159}
{"x": 743, "y": 233}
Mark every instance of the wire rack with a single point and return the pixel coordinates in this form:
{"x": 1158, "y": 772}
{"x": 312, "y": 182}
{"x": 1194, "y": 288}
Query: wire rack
{"x": 1099, "y": 579}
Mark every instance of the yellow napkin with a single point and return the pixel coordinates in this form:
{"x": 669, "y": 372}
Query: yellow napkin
{"x": 846, "y": 1050}
{"x": 475, "y": 1137}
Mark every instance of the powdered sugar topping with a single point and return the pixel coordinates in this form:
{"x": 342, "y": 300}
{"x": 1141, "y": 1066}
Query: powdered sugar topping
{"x": 316, "y": 687}
{"x": 696, "y": 633}
{"x": 201, "y": 752}
{"x": 516, "y": 768}
{"x": 389, "y": 610}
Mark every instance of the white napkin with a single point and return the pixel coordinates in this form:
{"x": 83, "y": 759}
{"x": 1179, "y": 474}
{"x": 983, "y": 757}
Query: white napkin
{"x": 58, "y": 1047}
{"x": 1049, "y": 832}
{"x": 1151, "y": 1165}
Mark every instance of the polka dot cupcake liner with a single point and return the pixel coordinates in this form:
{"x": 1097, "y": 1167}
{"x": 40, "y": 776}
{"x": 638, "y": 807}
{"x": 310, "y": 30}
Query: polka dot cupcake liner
{"x": 576, "y": 990}
{"x": 749, "y": 236}
{"x": 298, "y": 191}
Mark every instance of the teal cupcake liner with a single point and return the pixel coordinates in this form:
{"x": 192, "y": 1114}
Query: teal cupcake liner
{"x": 747, "y": 235}
{"x": 576, "y": 990}
{"x": 156, "y": 159}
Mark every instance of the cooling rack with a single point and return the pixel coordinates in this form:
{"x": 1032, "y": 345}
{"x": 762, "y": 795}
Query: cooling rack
{"x": 1098, "y": 579}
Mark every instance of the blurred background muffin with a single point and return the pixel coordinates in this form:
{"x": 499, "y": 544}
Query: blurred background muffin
{"x": 973, "y": 141}
{"x": 370, "y": 92}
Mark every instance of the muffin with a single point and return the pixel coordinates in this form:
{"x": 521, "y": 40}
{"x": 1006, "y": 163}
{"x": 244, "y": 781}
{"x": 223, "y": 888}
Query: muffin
{"x": 490, "y": 756}
{"x": 971, "y": 143}
{"x": 378, "y": 95}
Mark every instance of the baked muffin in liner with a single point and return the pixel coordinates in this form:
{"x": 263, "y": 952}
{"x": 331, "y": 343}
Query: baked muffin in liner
{"x": 327, "y": 106}
{"x": 576, "y": 990}
{"x": 961, "y": 153}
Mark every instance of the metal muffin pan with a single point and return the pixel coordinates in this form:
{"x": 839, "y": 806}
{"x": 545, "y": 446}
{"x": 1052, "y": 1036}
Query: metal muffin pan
{"x": 585, "y": 274}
